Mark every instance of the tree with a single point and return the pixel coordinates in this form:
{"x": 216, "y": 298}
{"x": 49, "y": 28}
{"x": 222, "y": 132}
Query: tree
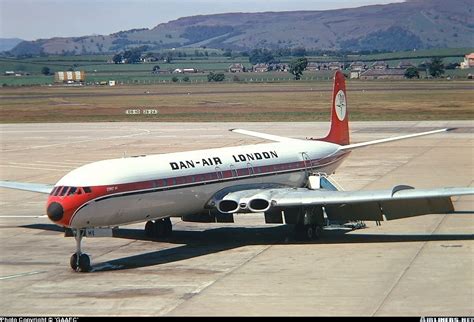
{"x": 186, "y": 79}
{"x": 452, "y": 66}
{"x": 156, "y": 69}
{"x": 298, "y": 52}
{"x": 45, "y": 70}
{"x": 117, "y": 59}
{"x": 297, "y": 67}
{"x": 215, "y": 77}
{"x": 412, "y": 72}
{"x": 132, "y": 56}
{"x": 436, "y": 67}
{"x": 168, "y": 57}
{"x": 261, "y": 56}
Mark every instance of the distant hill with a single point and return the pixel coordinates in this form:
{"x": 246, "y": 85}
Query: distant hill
{"x": 399, "y": 26}
{"x": 9, "y": 43}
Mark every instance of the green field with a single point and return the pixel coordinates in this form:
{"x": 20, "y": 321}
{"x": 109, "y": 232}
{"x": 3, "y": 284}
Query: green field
{"x": 225, "y": 102}
{"x": 423, "y": 54}
{"x": 97, "y": 69}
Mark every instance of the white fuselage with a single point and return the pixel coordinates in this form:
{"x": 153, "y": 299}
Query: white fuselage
{"x": 136, "y": 189}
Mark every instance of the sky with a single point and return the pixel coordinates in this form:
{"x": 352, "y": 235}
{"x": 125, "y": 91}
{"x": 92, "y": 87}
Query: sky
{"x": 34, "y": 19}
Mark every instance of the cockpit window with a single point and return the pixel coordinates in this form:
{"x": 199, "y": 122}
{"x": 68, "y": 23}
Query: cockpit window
{"x": 63, "y": 191}
{"x": 69, "y": 191}
{"x": 58, "y": 191}
{"x": 54, "y": 191}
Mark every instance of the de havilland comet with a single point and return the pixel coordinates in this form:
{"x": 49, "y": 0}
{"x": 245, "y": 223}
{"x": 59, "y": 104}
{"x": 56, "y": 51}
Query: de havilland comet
{"x": 286, "y": 180}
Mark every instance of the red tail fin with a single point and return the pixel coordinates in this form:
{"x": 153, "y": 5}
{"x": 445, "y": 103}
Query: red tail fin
{"x": 339, "y": 132}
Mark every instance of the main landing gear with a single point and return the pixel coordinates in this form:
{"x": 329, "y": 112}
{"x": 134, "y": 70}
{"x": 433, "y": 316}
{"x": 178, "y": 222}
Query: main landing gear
{"x": 308, "y": 232}
{"x": 159, "y": 228}
{"x": 80, "y": 262}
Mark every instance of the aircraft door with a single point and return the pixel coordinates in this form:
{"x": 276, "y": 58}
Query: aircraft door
{"x": 219, "y": 174}
{"x": 252, "y": 171}
{"x": 233, "y": 171}
{"x": 307, "y": 162}
{"x": 250, "y": 168}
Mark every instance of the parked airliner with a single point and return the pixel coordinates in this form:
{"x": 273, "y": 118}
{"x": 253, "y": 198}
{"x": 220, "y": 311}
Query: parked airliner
{"x": 287, "y": 180}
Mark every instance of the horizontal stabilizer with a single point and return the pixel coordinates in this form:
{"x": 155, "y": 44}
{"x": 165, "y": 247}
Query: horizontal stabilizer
{"x": 265, "y": 136}
{"x": 397, "y": 138}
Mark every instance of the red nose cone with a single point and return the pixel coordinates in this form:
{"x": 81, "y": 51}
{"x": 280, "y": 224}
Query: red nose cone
{"x": 59, "y": 210}
{"x": 55, "y": 211}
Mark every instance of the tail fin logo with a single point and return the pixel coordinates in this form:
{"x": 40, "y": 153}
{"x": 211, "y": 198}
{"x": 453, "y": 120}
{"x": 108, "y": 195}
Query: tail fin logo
{"x": 340, "y": 105}
{"x": 339, "y": 131}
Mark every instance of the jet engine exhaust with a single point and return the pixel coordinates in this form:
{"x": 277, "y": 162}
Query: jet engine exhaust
{"x": 228, "y": 206}
{"x": 259, "y": 205}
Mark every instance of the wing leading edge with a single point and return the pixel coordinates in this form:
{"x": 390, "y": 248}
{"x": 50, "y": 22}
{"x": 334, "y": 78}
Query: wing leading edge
{"x": 303, "y": 196}
{"x": 399, "y": 202}
{"x": 32, "y": 187}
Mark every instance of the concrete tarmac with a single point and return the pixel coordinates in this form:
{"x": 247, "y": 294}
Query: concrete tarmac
{"x": 416, "y": 266}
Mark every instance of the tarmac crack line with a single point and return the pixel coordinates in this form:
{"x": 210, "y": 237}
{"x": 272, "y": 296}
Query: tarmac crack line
{"x": 118, "y": 248}
{"x": 402, "y": 275}
{"x": 21, "y": 275}
{"x": 206, "y": 286}
{"x": 142, "y": 132}
{"x": 402, "y": 164}
{"x": 384, "y": 300}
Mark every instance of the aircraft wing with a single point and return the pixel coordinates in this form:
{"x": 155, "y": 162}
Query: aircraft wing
{"x": 399, "y": 202}
{"x": 32, "y": 187}
{"x": 302, "y": 196}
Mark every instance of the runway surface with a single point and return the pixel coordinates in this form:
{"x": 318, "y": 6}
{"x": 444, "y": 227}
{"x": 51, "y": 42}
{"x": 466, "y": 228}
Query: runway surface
{"x": 415, "y": 266}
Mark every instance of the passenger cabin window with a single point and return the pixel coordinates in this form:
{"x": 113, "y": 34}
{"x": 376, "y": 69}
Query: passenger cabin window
{"x": 72, "y": 191}
{"x": 87, "y": 189}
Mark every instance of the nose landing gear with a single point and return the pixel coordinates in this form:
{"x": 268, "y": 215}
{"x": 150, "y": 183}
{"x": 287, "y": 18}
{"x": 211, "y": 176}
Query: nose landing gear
{"x": 80, "y": 262}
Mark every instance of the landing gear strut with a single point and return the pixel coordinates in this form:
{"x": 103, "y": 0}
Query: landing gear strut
{"x": 80, "y": 262}
{"x": 159, "y": 228}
